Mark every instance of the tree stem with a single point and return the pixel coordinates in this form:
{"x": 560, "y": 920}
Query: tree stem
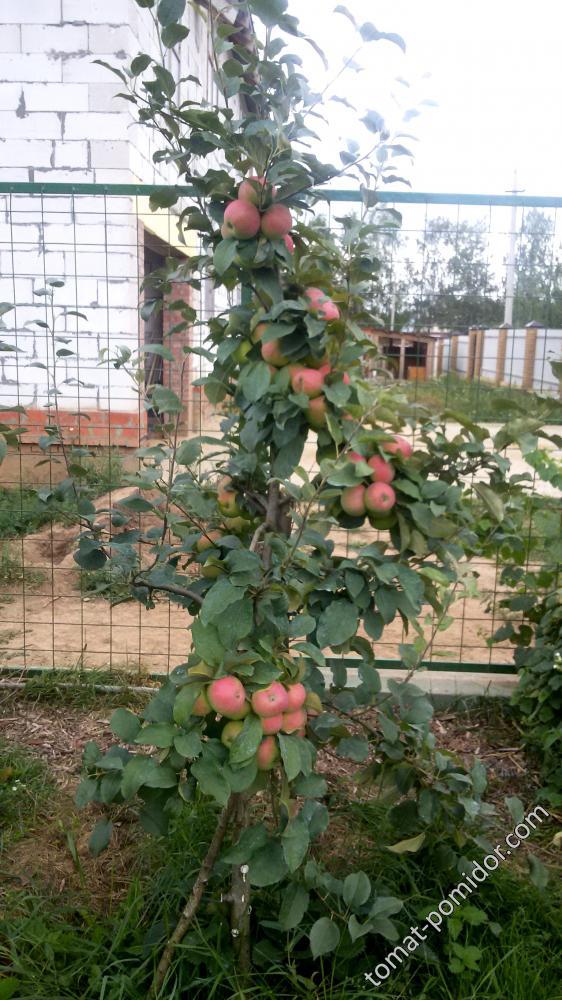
{"x": 196, "y": 895}
{"x": 240, "y": 899}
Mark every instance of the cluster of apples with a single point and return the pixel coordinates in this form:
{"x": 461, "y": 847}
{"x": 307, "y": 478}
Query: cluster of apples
{"x": 378, "y": 497}
{"x": 306, "y": 377}
{"x": 244, "y": 219}
{"x": 234, "y": 518}
{"x": 280, "y": 709}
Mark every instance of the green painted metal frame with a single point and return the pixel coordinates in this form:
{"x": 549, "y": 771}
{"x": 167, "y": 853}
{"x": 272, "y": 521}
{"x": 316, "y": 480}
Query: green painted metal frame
{"x": 327, "y": 194}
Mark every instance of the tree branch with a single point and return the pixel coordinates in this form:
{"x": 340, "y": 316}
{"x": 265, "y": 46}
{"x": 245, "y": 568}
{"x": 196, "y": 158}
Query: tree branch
{"x": 170, "y": 588}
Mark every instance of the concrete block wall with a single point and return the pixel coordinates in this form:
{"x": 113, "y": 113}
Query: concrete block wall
{"x": 60, "y": 122}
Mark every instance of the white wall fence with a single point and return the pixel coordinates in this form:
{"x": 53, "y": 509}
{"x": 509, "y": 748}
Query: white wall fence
{"x": 520, "y": 358}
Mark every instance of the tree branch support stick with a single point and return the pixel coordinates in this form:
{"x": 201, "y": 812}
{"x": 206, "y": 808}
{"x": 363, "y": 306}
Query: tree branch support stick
{"x": 240, "y": 900}
{"x": 193, "y": 903}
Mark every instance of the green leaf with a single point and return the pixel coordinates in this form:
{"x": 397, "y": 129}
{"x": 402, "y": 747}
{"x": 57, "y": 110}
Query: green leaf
{"x": 357, "y": 930}
{"x": 163, "y": 198}
{"x": 491, "y": 501}
{"x": 140, "y": 63}
{"x": 268, "y": 865}
{"x": 145, "y": 771}
{"x": 3, "y": 448}
{"x": 89, "y": 554}
{"x": 295, "y": 840}
{"x": 254, "y": 381}
{"x": 170, "y": 11}
{"x": 174, "y": 33}
{"x": 337, "y": 623}
{"x": 100, "y": 837}
{"x": 163, "y": 400}
{"x": 188, "y": 452}
{"x": 125, "y": 724}
{"x": 86, "y": 792}
{"x": 211, "y": 779}
{"x": 294, "y": 906}
{"x": 310, "y": 786}
{"x": 157, "y": 734}
{"x": 354, "y": 748}
{"x": 224, "y": 255}
{"x": 290, "y": 755}
{"x": 409, "y": 846}
{"x": 244, "y": 747}
{"x": 252, "y": 839}
{"x": 188, "y": 745}
{"x": 356, "y": 889}
{"x": 185, "y": 700}
{"x": 537, "y": 872}
{"x": 324, "y": 937}
{"x": 221, "y": 595}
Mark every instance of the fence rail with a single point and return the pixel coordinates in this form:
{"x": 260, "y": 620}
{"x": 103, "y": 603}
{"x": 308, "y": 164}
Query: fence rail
{"x": 102, "y": 240}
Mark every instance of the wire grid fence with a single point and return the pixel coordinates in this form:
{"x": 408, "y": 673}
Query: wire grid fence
{"x": 101, "y": 242}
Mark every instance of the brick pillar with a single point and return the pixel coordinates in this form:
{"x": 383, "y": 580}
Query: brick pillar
{"x": 479, "y": 352}
{"x": 530, "y": 354}
{"x": 472, "y": 334}
{"x": 453, "y": 353}
{"x": 501, "y": 352}
{"x": 440, "y": 348}
{"x": 429, "y": 359}
{"x": 178, "y": 374}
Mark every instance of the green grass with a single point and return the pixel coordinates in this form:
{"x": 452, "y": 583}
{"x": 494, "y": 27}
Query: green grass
{"x": 25, "y": 789}
{"x": 14, "y": 573}
{"x": 482, "y": 401}
{"x": 22, "y": 511}
{"x": 81, "y": 689}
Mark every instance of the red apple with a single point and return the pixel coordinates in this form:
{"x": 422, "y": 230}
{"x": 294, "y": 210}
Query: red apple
{"x": 267, "y": 754}
{"x": 316, "y": 412}
{"x": 383, "y": 471}
{"x": 271, "y": 700}
{"x": 272, "y": 724}
{"x": 251, "y": 189}
{"x": 400, "y": 446}
{"x": 276, "y": 222}
{"x": 297, "y": 696}
{"x": 242, "y": 219}
{"x": 353, "y": 500}
{"x": 289, "y": 242}
{"x": 379, "y": 497}
{"x": 202, "y": 706}
{"x": 208, "y": 540}
{"x": 272, "y": 353}
{"x": 307, "y": 380}
{"x": 321, "y": 305}
{"x": 227, "y": 696}
{"x": 293, "y": 721}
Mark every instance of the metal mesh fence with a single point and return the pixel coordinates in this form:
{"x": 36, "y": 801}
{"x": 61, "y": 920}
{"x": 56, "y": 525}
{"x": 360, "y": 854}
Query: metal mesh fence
{"x": 445, "y": 281}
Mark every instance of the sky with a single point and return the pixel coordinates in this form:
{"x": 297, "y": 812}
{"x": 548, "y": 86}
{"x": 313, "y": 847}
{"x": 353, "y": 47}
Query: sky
{"x": 492, "y": 67}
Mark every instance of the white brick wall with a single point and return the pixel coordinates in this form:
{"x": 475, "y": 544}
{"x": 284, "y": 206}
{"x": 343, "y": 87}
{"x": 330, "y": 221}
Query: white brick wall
{"x": 59, "y": 122}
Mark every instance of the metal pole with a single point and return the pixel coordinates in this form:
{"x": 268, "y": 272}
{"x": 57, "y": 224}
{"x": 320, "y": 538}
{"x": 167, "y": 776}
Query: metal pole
{"x": 510, "y": 263}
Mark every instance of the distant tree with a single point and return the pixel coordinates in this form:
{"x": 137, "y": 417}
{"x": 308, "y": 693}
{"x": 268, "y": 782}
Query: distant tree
{"x": 451, "y": 281}
{"x": 538, "y": 272}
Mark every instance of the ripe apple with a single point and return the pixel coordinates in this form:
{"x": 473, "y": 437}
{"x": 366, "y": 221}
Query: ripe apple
{"x": 272, "y": 724}
{"x": 383, "y": 471}
{"x": 321, "y": 305}
{"x": 316, "y": 412}
{"x": 276, "y": 222}
{"x": 400, "y": 446}
{"x": 227, "y": 696}
{"x": 293, "y": 721}
{"x": 353, "y": 500}
{"x": 230, "y": 732}
{"x": 272, "y": 353}
{"x": 297, "y": 696}
{"x": 202, "y": 705}
{"x": 252, "y": 189}
{"x": 271, "y": 700}
{"x": 267, "y": 754}
{"x": 207, "y": 541}
{"x": 379, "y": 497}
{"x": 289, "y": 242}
{"x": 241, "y": 219}
{"x": 307, "y": 380}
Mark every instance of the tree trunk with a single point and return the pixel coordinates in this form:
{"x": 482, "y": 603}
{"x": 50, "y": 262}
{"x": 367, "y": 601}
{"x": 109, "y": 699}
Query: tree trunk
{"x": 240, "y": 899}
